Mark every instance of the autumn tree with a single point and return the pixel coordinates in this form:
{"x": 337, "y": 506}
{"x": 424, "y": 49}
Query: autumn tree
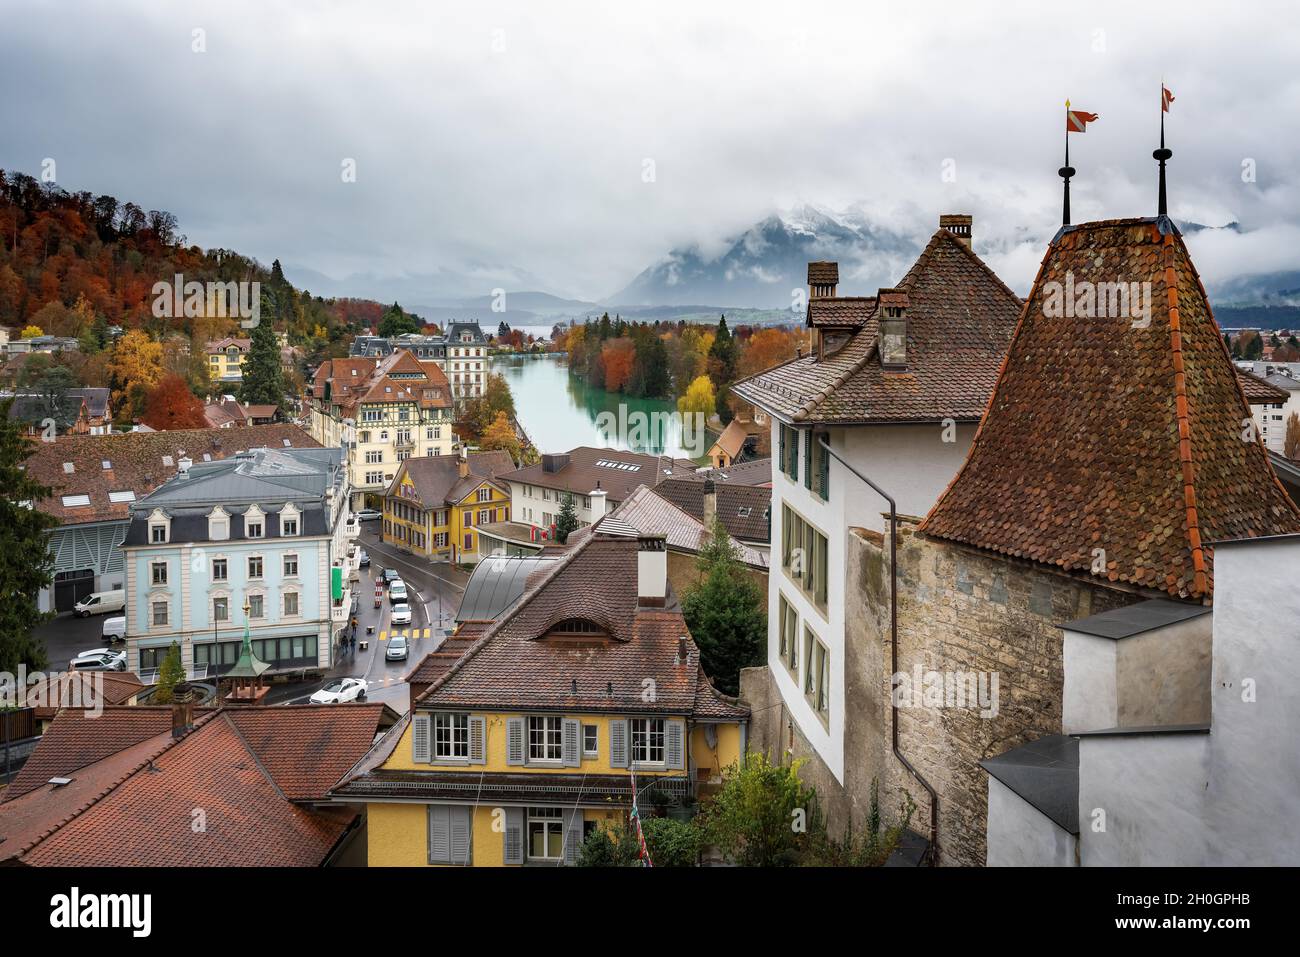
{"x": 26, "y": 565}
{"x": 171, "y": 405}
{"x": 500, "y": 435}
{"x": 1291, "y": 444}
{"x": 766, "y": 348}
{"x": 135, "y": 368}
{"x": 618, "y": 357}
{"x": 699, "y": 398}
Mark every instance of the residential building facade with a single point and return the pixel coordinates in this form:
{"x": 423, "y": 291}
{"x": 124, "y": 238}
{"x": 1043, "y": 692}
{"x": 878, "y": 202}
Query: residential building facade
{"x": 461, "y": 353}
{"x": 435, "y": 506}
{"x": 542, "y": 731}
{"x": 259, "y": 539}
{"x": 895, "y": 384}
{"x": 381, "y": 412}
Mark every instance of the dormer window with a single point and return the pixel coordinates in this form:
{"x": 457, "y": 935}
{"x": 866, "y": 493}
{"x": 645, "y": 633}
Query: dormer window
{"x": 159, "y": 528}
{"x": 578, "y": 626}
{"x": 289, "y": 520}
{"x": 218, "y": 525}
{"x": 254, "y": 523}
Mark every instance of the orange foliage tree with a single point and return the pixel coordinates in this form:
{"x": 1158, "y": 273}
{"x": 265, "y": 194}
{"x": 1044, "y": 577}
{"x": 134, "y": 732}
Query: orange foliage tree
{"x": 171, "y": 405}
{"x": 619, "y": 356}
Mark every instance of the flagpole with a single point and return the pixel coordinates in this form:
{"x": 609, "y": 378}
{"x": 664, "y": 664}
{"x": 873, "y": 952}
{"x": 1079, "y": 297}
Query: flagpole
{"x": 1067, "y": 170}
{"x": 1162, "y": 154}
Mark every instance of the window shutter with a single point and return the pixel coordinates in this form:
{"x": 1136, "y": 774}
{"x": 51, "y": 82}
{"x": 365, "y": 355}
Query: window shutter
{"x": 513, "y": 836}
{"x": 618, "y": 744}
{"x": 461, "y": 829}
{"x": 824, "y": 478}
{"x": 572, "y": 743}
{"x": 477, "y": 740}
{"x": 784, "y": 461}
{"x": 439, "y": 834}
{"x": 514, "y": 741}
{"x": 807, "y": 459}
{"x": 573, "y": 836}
{"x": 675, "y": 745}
{"x": 420, "y": 752}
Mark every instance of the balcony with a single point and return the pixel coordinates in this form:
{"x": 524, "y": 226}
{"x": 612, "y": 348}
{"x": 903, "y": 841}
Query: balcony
{"x": 352, "y": 529}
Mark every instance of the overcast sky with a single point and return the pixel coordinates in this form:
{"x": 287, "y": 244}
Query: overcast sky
{"x": 513, "y": 137}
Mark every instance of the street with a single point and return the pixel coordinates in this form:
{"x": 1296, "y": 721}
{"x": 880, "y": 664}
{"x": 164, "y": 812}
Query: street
{"x": 434, "y": 592}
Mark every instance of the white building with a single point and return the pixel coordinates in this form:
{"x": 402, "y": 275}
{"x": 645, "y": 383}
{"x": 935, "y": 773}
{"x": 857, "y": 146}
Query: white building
{"x": 461, "y": 353}
{"x": 895, "y": 384}
{"x": 1180, "y": 752}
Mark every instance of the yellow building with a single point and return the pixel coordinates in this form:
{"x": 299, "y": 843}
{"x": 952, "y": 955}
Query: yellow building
{"x": 435, "y": 504}
{"x": 516, "y": 748}
{"x": 226, "y": 359}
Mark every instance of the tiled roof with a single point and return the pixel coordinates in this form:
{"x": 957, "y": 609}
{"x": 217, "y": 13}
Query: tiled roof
{"x": 136, "y": 463}
{"x": 514, "y": 666}
{"x": 651, "y": 514}
{"x": 79, "y": 737}
{"x": 743, "y": 509}
{"x": 753, "y": 472}
{"x": 959, "y": 321}
{"x": 621, "y": 473}
{"x": 732, "y": 439}
{"x": 437, "y": 478}
{"x": 397, "y": 377}
{"x": 1261, "y": 392}
{"x": 1106, "y": 435}
{"x": 243, "y": 768}
{"x": 221, "y": 345}
{"x": 823, "y": 273}
{"x": 841, "y": 311}
{"x": 78, "y": 689}
{"x": 603, "y": 790}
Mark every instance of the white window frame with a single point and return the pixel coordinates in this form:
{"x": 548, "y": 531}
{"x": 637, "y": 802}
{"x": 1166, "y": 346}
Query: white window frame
{"x": 647, "y": 729}
{"x": 452, "y": 730}
{"x": 592, "y": 731}
{"x": 545, "y": 732}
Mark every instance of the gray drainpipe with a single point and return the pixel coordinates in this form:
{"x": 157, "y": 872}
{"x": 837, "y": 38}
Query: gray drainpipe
{"x": 893, "y": 644}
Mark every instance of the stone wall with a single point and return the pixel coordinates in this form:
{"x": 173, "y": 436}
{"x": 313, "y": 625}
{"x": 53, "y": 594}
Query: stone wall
{"x": 959, "y": 609}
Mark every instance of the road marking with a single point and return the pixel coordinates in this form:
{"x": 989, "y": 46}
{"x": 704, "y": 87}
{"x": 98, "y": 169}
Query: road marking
{"x": 426, "y": 632}
{"x": 383, "y": 636}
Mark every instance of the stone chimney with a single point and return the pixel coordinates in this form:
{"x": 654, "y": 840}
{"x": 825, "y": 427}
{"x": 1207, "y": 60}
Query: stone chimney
{"x": 651, "y": 571}
{"x": 597, "y": 497}
{"x": 823, "y": 278}
{"x": 959, "y": 224}
{"x": 710, "y": 505}
{"x": 683, "y": 651}
{"x": 893, "y": 328}
{"x": 183, "y": 466}
{"x": 462, "y": 462}
{"x": 182, "y": 710}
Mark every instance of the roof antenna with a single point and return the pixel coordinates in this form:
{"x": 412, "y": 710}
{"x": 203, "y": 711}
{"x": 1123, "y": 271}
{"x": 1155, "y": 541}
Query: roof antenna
{"x": 1163, "y": 154}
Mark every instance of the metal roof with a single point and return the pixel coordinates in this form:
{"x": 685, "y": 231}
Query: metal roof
{"x": 496, "y": 584}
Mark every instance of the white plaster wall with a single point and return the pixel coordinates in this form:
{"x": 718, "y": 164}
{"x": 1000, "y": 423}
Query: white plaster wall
{"x": 1019, "y": 835}
{"x": 1090, "y": 700}
{"x": 911, "y": 463}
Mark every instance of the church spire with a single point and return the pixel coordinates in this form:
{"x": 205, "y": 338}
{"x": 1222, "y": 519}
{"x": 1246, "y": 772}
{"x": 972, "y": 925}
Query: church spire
{"x": 1163, "y": 154}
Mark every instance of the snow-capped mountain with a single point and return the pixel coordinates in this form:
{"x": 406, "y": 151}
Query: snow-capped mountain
{"x": 761, "y": 266}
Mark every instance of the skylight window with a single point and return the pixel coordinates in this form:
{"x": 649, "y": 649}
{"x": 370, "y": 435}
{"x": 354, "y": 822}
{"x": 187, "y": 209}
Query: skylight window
{"x": 168, "y": 461}
{"x": 68, "y": 468}
{"x": 72, "y": 501}
{"x": 127, "y": 496}
{"x": 106, "y": 465}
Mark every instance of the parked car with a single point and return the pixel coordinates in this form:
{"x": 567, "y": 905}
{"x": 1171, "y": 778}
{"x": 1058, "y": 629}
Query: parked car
{"x": 401, "y": 614}
{"x": 368, "y": 515}
{"x": 115, "y": 629}
{"x": 99, "y": 659}
{"x": 341, "y": 689}
{"x": 391, "y": 575}
{"x": 396, "y": 650}
{"x": 397, "y": 592}
{"x": 364, "y": 560}
{"x": 101, "y": 603}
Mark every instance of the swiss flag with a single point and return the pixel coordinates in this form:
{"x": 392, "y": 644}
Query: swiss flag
{"x": 1165, "y": 98}
{"x": 1077, "y": 120}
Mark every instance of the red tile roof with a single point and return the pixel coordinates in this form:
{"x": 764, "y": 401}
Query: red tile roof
{"x": 622, "y": 472}
{"x": 1105, "y": 435}
{"x": 960, "y": 316}
{"x": 1260, "y": 392}
{"x": 515, "y": 666}
{"x": 244, "y": 769}
{"x": 78, "y": 689}
{"x": 135, "y": 463}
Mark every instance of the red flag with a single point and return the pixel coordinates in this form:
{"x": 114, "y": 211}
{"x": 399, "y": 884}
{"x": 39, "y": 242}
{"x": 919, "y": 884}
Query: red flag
{"x": 1077, "y": 120}
{"x": 1165, "y": 98}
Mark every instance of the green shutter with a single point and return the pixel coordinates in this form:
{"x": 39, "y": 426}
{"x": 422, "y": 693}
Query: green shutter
{"x": 807, "y": 459}
{"x": 784, "y": 467}
{"x": 824, "y": 471}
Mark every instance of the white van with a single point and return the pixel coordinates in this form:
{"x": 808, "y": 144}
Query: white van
{"x": 101, "y": 603}
{"x": 115, "y": 629}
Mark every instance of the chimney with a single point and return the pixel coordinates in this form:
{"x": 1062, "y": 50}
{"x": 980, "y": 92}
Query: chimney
{"x": 651, "y": 571}
{"x": 683, "y": 651}
{"x": 959, "y": 224}
{"x": 597, "y": 497}
{"x": 893, "y": 328}
{"x": 182, "y": 710}
{"x": 462, "y": 463}
{"x": 823, "y": 278}
{"x": 710, "y": 505}
{"x": 183, "y": 466}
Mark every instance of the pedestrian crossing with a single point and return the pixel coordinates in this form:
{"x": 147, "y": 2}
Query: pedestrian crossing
{"x": 409, "y": 633}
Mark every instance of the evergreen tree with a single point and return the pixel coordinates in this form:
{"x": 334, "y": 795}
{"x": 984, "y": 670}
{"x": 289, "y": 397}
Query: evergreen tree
{"x": 725, "y": 612}
{"x": 263, "y": 374}
{"x": 26, "y": 565}
{"x": 723, "y": 356}
{"x": 396, "y": 322}
{"x": 567, "y": 521}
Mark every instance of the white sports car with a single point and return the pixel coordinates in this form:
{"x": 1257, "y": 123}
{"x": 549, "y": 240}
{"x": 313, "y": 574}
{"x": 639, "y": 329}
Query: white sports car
{"x": 340, "y": 689}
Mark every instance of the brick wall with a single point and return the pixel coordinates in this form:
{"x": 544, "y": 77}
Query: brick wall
{"x": 959, "y": 609}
